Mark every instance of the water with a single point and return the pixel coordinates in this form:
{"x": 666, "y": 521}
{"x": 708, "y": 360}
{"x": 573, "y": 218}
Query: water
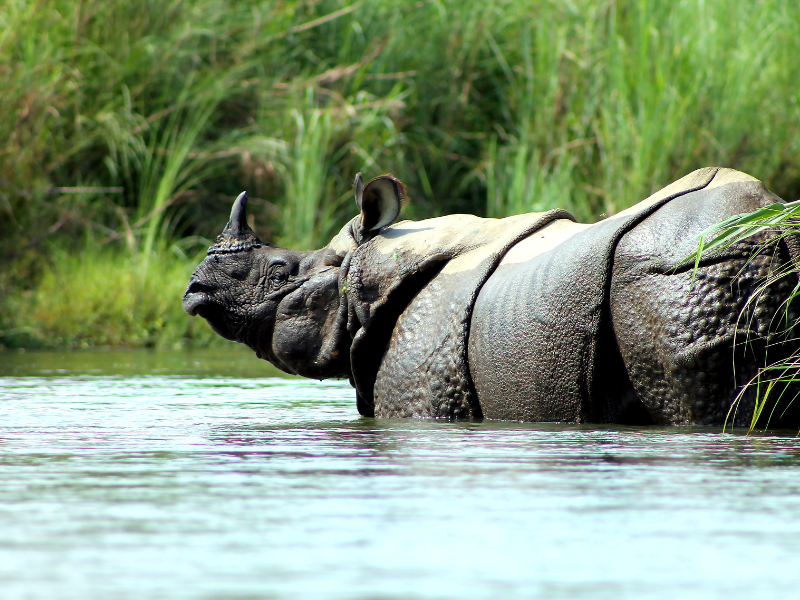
{"x": 146, "y": 475}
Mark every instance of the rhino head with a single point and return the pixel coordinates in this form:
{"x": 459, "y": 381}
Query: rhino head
{"x": 286, "y": 305}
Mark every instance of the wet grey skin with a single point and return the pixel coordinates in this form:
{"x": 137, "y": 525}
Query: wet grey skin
{"x": 533, "y": 317}
{"x": 267, "y": 298}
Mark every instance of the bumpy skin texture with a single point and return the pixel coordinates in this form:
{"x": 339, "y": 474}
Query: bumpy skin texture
{"x": 533, "y": 317}
{"x": 270, "y": 299}
{"x": 612, "y": 328}
{"x": 412, "y": 381}
{"x": 675, "y": 334}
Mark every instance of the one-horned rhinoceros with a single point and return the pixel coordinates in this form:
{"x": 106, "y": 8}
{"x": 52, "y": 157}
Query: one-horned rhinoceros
{"x": 533, "y": 317}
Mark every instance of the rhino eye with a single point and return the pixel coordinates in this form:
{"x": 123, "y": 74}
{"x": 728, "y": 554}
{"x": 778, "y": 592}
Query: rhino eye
{"x": 277, "y": 275}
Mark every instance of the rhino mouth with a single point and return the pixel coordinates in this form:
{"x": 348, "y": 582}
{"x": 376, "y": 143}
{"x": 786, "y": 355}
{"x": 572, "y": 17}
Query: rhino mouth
{"x": 196, "y": 298}
{"x": 193, "y": 304}
{"x": 199, "y": 305}
{"x": 198, "y": 302}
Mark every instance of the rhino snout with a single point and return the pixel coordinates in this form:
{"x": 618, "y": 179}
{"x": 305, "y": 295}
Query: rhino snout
{"x": 196, "y": 296}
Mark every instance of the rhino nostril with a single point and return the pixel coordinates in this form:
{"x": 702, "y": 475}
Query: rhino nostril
{"x": 198, "y": 286}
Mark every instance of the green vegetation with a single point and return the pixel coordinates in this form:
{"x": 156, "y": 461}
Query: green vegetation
{"x": 107, "y": 299}
{"x": 127, "y": 127}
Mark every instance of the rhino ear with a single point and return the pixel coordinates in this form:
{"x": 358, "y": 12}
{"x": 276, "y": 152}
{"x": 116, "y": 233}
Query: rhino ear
{"x": 379, "y": 201}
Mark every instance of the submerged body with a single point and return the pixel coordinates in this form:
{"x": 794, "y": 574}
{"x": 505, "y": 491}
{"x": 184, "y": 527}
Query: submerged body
{"x": 533, "y": 318}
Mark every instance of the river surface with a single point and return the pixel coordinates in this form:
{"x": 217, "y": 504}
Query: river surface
{"x": 205, "y": 475}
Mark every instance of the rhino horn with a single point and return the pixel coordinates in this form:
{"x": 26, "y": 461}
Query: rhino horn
{"x": 237, "y": 224}
{"x": 237, "y": 235}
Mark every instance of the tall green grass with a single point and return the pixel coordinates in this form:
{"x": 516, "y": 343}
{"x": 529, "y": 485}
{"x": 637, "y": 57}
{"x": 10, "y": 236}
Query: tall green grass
{"x": 128, "y": 126}
{"x": 92, "y": 299}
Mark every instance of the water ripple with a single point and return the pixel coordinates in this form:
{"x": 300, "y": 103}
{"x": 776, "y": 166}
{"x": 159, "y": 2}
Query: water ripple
{"x": 174, "y": 485}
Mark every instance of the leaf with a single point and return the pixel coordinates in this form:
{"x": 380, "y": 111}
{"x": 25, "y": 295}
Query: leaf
{"x": 760, "y": 404}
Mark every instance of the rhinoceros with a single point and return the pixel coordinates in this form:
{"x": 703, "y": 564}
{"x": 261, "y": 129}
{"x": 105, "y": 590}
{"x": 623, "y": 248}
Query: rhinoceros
{"x": 533, "y": 317}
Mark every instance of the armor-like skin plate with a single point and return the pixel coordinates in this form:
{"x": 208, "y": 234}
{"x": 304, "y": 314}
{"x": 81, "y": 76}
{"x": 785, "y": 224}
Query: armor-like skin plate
{"x": 533, "y": 317}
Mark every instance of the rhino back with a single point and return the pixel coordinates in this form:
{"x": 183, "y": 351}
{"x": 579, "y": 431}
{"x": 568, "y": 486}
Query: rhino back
{"x": 612, "y": 325}
{"x": 541, "y": 347}
{"x": 535, "y": 331}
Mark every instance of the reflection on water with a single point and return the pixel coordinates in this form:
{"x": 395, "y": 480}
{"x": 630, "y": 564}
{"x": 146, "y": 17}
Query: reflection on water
{"x": 231, "y": 361}
{"x": 139, "y": 475}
